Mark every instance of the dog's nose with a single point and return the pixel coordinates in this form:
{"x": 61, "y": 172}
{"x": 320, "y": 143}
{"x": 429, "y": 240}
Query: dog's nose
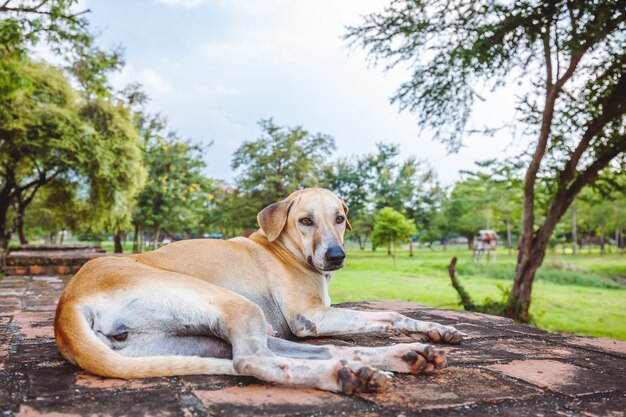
{"x": 335, "y": 255}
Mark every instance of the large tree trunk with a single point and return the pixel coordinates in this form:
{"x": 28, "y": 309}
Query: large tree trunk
{"x": 155, "y": 243}
{"x": 19, "y": 223}
{"x": 602, "y": 250}
{"x": 5, "y": 230}
{"x": 117, "y": 241}
{"x": 389, "y": 248}
{"x": 519, "y": 299}
{"x": 135, "y": 237}
{"x": 22, "y": 203}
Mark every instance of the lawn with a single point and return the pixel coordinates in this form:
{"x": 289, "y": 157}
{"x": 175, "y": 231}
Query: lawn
{"x": 583, "y": 294}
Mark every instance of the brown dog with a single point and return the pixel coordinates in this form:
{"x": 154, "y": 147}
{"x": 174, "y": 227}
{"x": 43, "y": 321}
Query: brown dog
{"x": 206, "y": 307}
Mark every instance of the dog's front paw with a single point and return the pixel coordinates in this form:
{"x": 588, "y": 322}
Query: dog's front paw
{"x": 355, "y": 377}
{"x": 446, "y": 334}
{"x": 436, "y": 333}
{"x": 423, "y": 358}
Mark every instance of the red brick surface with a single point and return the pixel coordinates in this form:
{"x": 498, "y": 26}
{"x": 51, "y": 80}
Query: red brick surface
{"x": 60, "y": 260}
{"x": 501, "y": 369}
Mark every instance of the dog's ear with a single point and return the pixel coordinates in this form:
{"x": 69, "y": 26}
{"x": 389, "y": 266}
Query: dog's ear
{"x": 273, "y": 218}
{"x": 345, "y": 211}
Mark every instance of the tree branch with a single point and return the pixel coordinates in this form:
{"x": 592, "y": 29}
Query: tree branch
{"x": 564, "y": 198}
{"x": 572, "y": 18}
{"x": 548, "y": 57}
{"x": 37, "y": 10}
{"x": 466, "y": 300}
{"x": 592, "y": 171}
{"x": 612, "y": 108}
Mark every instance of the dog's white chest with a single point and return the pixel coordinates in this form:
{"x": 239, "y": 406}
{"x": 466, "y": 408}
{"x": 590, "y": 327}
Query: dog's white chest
{"x": 326, "y": 284}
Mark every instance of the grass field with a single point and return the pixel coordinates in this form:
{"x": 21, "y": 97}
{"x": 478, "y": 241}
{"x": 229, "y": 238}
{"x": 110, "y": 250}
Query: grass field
{"x": 584, "y": 295}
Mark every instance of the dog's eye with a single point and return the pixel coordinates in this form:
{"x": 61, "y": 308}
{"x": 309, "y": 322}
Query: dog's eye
{"x": 305, "y": 221}
{"x": 339, "y": 219}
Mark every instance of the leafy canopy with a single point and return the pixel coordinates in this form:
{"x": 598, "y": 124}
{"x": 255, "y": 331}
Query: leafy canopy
{"x": 392, "y": 228}
{"x": 456, "y": 48}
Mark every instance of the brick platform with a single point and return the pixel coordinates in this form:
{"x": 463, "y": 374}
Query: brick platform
{"x": 502, "y": 369}
{"x": 36, "y": 260}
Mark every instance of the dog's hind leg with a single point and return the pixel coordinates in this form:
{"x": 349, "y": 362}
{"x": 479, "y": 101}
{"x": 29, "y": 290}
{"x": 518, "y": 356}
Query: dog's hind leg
{"x": 412, "y": 358}
{"x": 165, "y": 306}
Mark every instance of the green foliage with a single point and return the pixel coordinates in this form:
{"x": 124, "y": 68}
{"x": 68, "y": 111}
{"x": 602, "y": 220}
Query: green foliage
{"x": 80, "y": 139}
{"x": 114, "y": 162}
{"x": 468, "y": 44}
{"x": 176, "y": 195}
{"x": 372, "y": 181}
{"x": 280, "y": 161}
{"x": 58, "y": 25}
{"x": 488, "y": 198}
{"x": 53, "y": 209}
{"x": 50, "y": 136}
{"x": 391, "y": 228}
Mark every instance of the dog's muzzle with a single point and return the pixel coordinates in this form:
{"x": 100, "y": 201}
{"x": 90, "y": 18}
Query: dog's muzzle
{"x": 334, "y": 258}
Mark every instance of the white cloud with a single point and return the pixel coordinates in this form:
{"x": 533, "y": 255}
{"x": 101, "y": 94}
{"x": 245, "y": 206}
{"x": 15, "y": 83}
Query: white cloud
{"x": 124, "y": 77}
{"x": 148, "y": 78}
{"x": 153, "y": 81}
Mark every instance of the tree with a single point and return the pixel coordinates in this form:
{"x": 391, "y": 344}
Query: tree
{"x": 362, "y": 227}
{"x": 48, "y": 133}
{"x": 114, "y": 165}
{"x": 350, "y": 179}
{"x": 176, "y": 194}
{"x": 577, "y": 112}
{"x": 392, "y": 228}
{"x": 372, "y": 181}
{"x": 52, "y": 209}
{"x": 493, "y": 191}
{"x": 280, "y": 161}
{"x": 45, "y": 131}
{"x": 39, "y": 128}
{"x": 53, "y": 21}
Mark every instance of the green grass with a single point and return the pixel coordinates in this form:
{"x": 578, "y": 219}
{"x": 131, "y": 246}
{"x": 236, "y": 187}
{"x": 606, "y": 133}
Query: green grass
{"x": 582, "y": 295}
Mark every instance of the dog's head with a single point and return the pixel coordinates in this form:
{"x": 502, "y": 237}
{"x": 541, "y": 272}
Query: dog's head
{"x": 311, "y": 224}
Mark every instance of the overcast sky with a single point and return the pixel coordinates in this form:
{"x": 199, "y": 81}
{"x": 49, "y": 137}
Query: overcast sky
{"x": 214, "y": 68}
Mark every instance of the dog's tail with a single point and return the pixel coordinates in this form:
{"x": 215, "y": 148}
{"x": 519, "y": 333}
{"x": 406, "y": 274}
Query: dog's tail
{"x": 79, "y": 345}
